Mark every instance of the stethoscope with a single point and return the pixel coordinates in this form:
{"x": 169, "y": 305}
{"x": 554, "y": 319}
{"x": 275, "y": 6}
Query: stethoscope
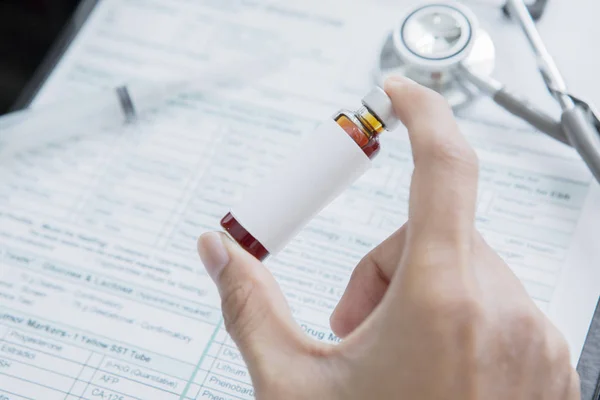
{"x": 440, "y": 45}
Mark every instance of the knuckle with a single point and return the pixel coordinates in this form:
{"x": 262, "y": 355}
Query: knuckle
{"x": 460, "y": 306}
{"x": 525, "y": 326}
{"x": 370, "y": 262}
{"x": 458, "y": 318}
{"x": 527, "y": 334}
{"x": 557, "y": 353}
{"x": 451, "y": 151}
{"x": 526, "y": 321}
{"x": 463, "y": 308}
{"x": 575, "y": 384}
{"x": 235, "y": 304}
{"x": 557, "y": 359}
{"x": 455, "y": 155}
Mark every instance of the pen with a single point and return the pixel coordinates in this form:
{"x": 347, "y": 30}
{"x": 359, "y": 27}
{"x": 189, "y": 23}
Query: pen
{"x": 34, "y": 128}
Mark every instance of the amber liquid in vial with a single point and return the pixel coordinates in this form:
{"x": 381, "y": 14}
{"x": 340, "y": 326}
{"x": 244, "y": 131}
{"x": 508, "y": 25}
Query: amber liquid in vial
{"x": 362, "y": 126}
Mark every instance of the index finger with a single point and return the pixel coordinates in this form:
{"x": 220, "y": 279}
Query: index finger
{"x": 443, "y": 193}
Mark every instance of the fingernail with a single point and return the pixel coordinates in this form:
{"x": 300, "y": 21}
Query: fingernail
{"x": 213, "y": 253}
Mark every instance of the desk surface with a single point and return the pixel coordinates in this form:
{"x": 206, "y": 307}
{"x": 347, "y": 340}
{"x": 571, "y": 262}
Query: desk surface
{"x": 559, "y": 42}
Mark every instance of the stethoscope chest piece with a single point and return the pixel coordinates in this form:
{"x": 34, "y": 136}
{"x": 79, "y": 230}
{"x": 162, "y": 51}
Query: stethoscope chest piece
{"x": 430, "y": 46}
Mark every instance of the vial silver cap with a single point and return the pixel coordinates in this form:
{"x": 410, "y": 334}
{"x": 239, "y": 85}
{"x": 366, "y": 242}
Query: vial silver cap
{"x": 379, "y": 103}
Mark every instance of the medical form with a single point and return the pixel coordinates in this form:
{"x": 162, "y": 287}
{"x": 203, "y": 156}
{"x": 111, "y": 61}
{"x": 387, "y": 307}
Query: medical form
{"x": 102, "y": 294}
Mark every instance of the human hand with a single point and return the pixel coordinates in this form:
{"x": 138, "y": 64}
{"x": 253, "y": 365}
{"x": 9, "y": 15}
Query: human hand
{"x": 431, "y": 313}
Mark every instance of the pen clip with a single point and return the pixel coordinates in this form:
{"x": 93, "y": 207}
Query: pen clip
{"x": 126, "y": 103}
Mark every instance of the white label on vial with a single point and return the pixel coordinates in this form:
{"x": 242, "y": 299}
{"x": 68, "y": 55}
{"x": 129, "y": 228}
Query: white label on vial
{"x": 326, "y": 163}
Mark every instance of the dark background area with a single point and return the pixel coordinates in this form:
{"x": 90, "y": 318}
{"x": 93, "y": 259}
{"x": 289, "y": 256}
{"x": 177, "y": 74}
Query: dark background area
{"x": 28, "y": 28}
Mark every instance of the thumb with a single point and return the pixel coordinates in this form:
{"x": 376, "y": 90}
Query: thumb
{"x": 255, "y": 311}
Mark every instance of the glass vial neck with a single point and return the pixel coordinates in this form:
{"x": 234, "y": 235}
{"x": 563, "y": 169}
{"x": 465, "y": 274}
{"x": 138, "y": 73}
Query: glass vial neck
{"x": 371, "y": 124}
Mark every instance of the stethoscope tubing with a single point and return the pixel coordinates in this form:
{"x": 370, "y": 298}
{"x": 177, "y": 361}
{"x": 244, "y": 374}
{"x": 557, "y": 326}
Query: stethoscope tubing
{"x": 575, "y": 127}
